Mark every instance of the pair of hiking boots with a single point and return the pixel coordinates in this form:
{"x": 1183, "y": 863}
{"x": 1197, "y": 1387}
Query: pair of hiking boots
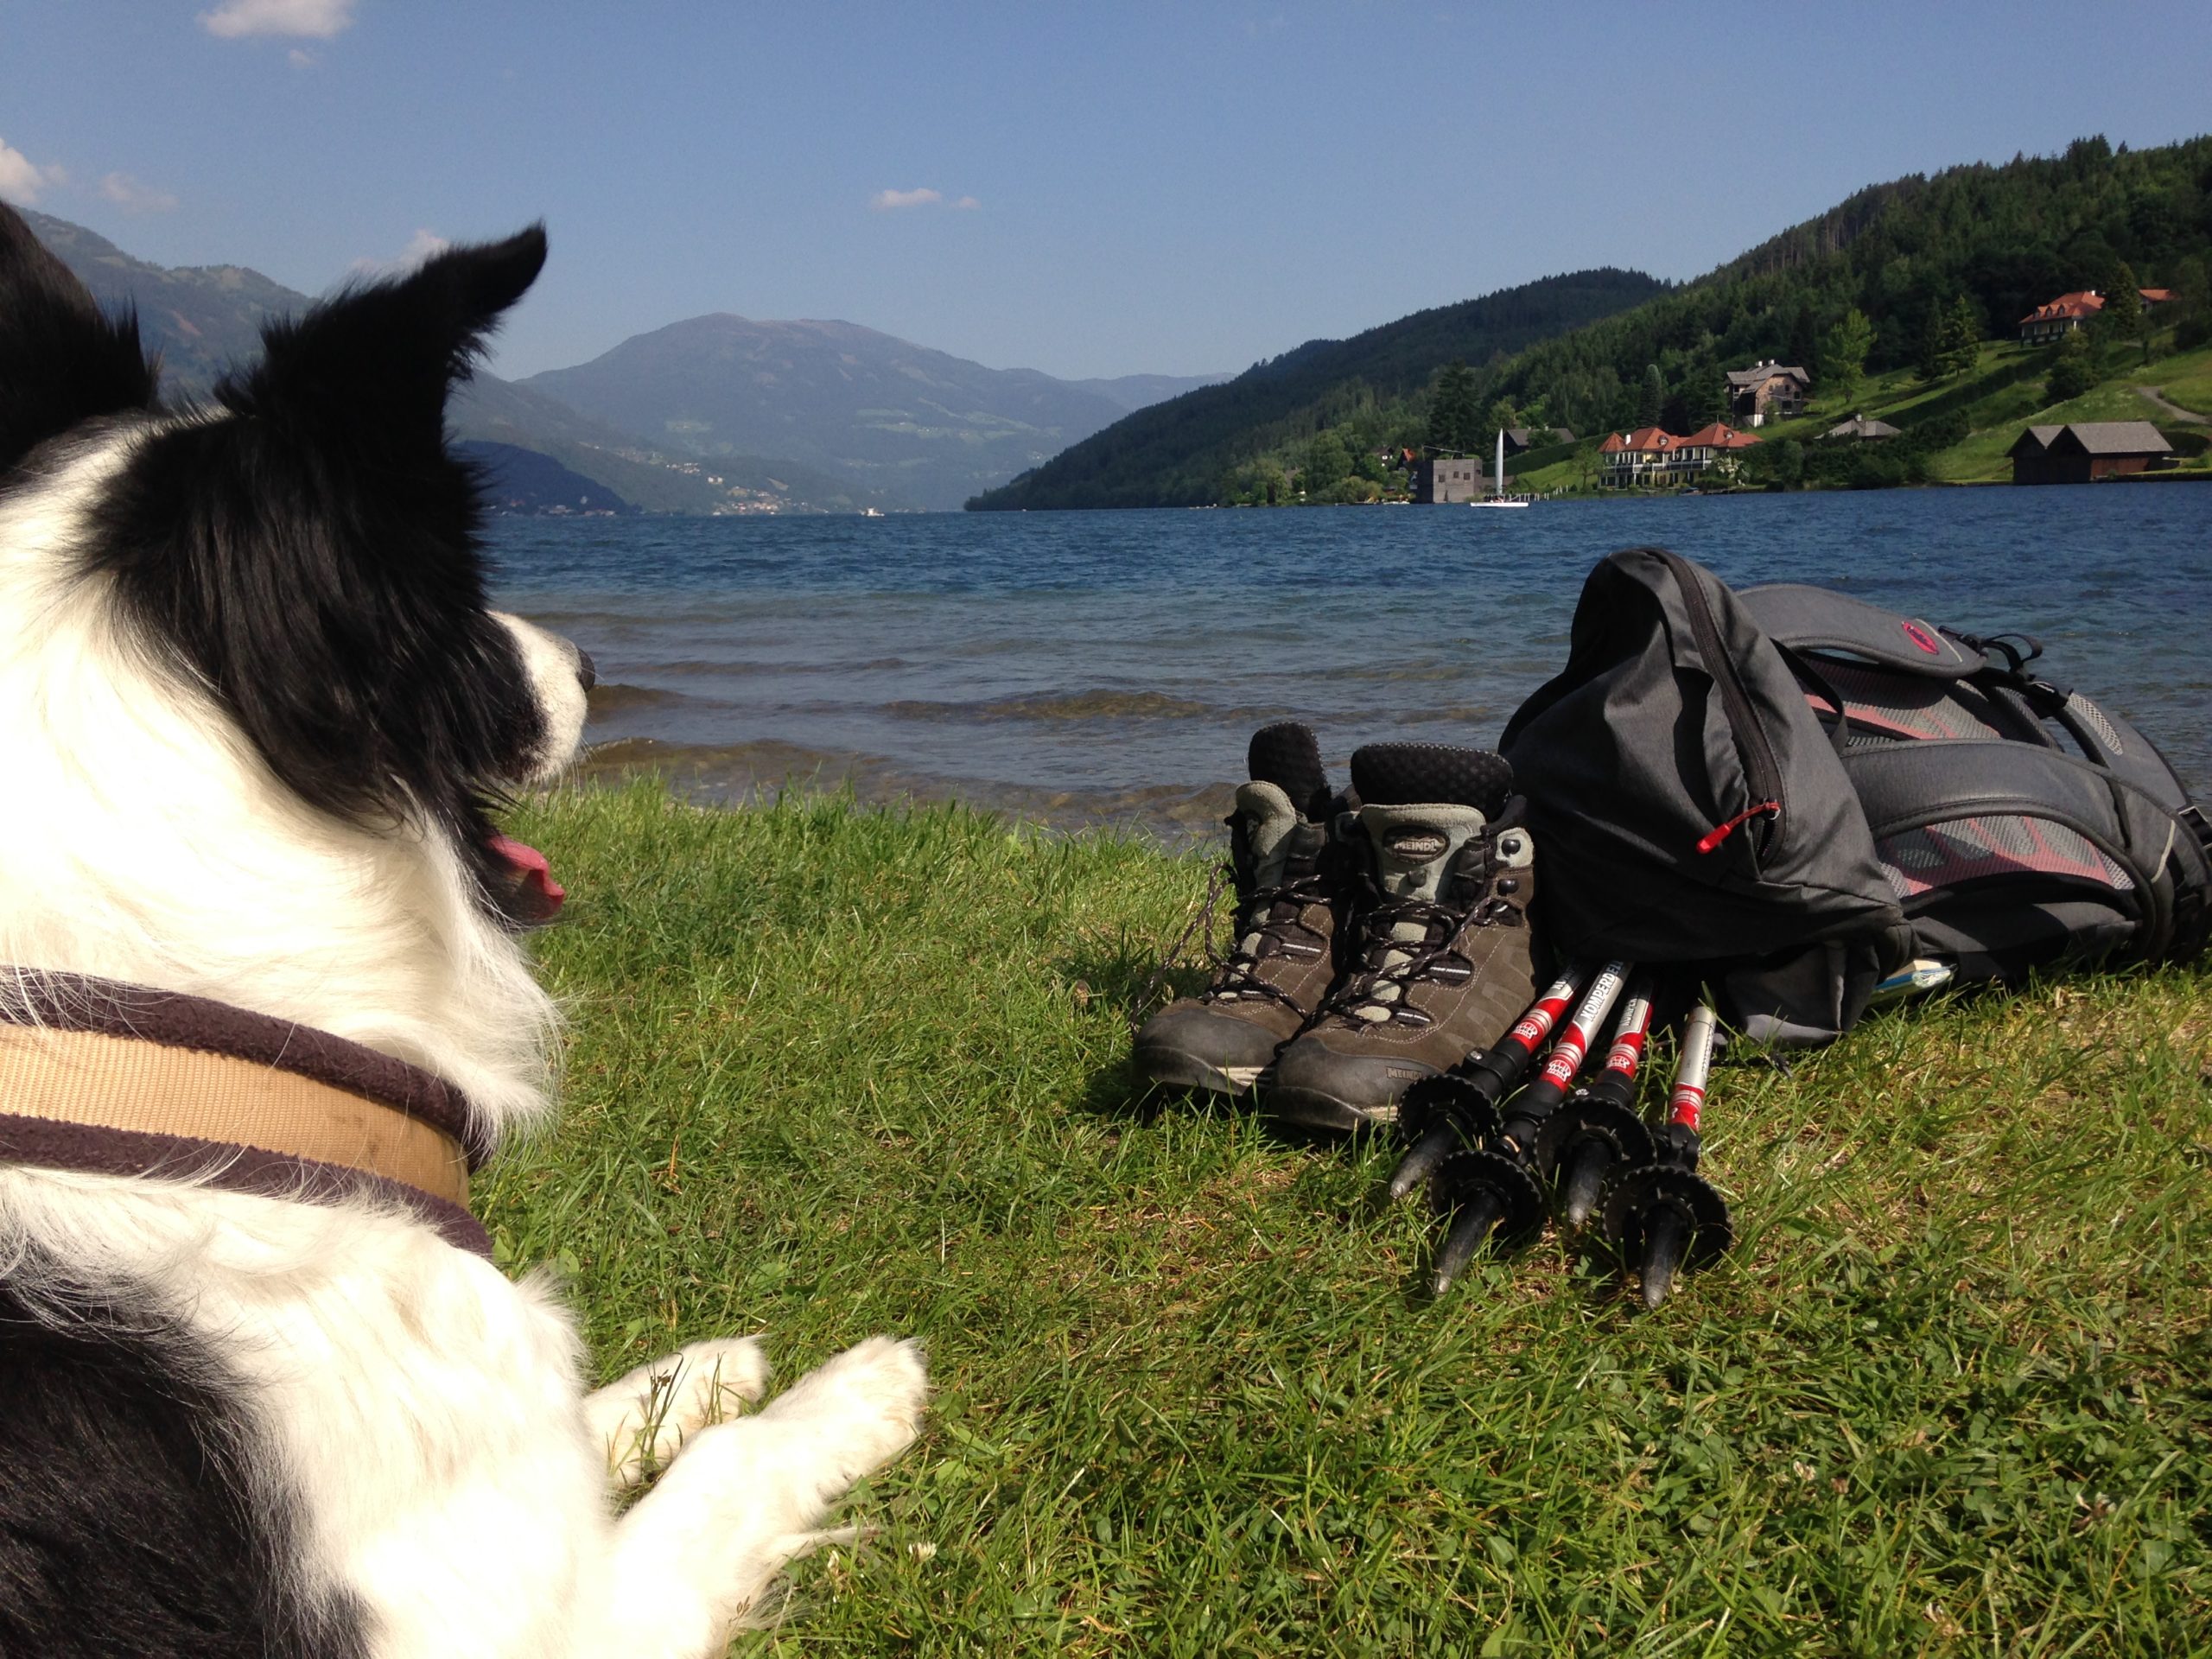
{"x": 1382, "y": 934}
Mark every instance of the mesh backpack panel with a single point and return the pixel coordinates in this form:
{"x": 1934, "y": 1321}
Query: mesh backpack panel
{"x": 2019, "y": 826}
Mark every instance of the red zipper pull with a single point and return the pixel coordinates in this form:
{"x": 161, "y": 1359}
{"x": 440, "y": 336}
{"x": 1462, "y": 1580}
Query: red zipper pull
{"x": 1720, "y": 832}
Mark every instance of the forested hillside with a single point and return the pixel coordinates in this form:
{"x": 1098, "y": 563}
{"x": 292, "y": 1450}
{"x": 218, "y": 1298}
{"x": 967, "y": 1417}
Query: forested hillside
{"x": 1908, "y": 274}
{"x": 1177, "y": 454}
{"x": 1870, "y": 284}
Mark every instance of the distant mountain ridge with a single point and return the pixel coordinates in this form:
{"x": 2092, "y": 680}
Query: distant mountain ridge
{"x": 921, "y": 426}
{"x": 202, "y": 319}
{"x": 1175, "y": 454}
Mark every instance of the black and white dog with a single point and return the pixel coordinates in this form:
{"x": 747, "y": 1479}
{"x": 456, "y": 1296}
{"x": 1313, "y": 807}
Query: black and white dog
{"x": 252, "y": 710}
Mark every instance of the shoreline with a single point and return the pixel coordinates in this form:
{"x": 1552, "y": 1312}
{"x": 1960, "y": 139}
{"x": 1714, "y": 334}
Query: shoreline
{"x": 1180, "y": 818}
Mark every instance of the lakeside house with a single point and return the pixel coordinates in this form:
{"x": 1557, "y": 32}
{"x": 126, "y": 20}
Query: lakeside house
{"x": 2070, "y": 311}
{"x": 1443, "y": 479}
{"x": 1768, "y": 388}
{"x": 2081, "y": 451}
{"x": 1860, "y": 427}
{"x": 1652, "y": 458}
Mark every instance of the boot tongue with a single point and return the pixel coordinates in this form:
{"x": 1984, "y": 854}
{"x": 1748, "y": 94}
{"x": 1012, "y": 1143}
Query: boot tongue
{"x": 1268, "y": 819}
{"x": 1414, "y": 845}
{"x": 1288, "y": 755}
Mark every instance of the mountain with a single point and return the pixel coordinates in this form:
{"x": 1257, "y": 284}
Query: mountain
{"x": 201, "y": 319}
{"x": 923, "y": 426}
{"x": 206, "y": 319}
{"x": 1177, "y": 454}
{"x": 525, "y": 482}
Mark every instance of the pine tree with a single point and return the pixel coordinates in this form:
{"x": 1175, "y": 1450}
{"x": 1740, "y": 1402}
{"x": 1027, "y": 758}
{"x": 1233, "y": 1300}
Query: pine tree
{"x": 1651, "y": 398}
{"x": 1961, "y": 337}
{"x": 1843, "y": 351}
{"x": 1931, "y": 363}
{"x": 2122, "y": 317}
{"x": 1451, "y": 410}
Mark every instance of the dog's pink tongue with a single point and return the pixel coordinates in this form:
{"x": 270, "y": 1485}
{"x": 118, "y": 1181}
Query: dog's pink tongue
{"x": 536, "y": 874}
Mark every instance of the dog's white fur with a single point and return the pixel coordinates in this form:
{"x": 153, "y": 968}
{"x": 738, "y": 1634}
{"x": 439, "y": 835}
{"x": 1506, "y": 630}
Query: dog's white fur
{"x": 426, "y": 1413}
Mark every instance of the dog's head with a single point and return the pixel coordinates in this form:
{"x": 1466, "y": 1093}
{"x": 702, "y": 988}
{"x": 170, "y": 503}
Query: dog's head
{"x": 262, "y": 623}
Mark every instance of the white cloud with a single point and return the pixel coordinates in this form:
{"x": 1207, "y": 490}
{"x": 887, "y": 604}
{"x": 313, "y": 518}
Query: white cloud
{"x": 21, "y": 179}
{"x": 317, "y": 20}
{"x": 423, "y": 244}
{"x": 886, "y": 201}
{"x": 134, "y": 195}
{"x": 300, "y": 58}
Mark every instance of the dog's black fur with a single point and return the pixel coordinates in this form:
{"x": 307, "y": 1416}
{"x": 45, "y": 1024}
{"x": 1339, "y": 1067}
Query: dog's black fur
{"x": 307, "y": 550}
{"x": 315, "y": 560}
{"x": 61, "y": 362}
{"x": 127, "y": 1526}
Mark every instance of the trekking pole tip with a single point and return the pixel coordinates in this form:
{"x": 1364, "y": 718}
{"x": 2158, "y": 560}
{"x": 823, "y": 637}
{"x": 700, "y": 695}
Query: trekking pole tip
{"x": 1578, "y": 1193}
{"x": 1663, "y": 1253}
{"x": 1470, "y": 1227}
{"x": 1420, "y": 1160}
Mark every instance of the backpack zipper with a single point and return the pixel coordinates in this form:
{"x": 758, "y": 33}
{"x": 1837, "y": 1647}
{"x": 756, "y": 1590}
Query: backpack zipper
{"x": 1720, "y": 832}
{"x": 1761, "y": 773}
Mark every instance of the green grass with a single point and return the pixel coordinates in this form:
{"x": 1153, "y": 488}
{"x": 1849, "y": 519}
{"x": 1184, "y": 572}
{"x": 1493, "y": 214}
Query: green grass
{"x": 2185, "y": 379}
{"x": 835, "y": 1071}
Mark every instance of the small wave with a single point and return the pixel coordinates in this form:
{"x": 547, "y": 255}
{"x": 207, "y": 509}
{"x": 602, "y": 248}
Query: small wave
{"x": 739, "y": 668}
{"x": 616, "y": 698}
{"x": 1064, "y": 706}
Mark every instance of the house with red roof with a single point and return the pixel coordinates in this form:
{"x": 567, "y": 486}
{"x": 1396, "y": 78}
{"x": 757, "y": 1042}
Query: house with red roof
{"x": 1651, "y": 458}
{"x": 2071, "y": 311}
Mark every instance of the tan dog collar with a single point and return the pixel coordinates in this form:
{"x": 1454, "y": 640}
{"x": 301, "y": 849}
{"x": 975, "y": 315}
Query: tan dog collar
{"x": 119, "y": 1079}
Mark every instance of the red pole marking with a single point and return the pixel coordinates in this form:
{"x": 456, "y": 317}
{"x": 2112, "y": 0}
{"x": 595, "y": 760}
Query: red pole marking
{"x": 1687, "y": 1099}
{"x": 1627, "y": 1051}
{"x": 1573, "y": 1045}
{"x": 1689, "y": 1102}
{"x": 1537, "y": 1023}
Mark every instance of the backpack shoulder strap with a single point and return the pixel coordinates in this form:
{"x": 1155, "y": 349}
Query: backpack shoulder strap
{"x": 1813, "y": 619}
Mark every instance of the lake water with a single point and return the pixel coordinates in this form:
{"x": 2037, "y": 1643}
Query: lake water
{"x": 1109, "y": 666}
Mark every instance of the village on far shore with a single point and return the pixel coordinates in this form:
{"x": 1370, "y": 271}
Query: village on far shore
{"x": 1776, "y": 422}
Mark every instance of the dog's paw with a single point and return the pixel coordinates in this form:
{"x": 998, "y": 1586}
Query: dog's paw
{"x": 642, "y": 1418}
{"x": 861, "y": 1408}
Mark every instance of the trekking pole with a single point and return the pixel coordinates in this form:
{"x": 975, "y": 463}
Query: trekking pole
{"x": 1459, "y": 1108}
{"x": 1598, "y": 1128}
{"x": 1526, "y": 1113}
{"x": 1665, "y": 1216}
{"x": 1489, "y": 1188}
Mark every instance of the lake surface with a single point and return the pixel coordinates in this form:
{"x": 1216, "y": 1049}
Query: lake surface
{"x": 1109, "y": 666}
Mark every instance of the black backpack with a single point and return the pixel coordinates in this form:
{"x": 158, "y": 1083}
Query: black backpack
{"x": 1805, "y": 795}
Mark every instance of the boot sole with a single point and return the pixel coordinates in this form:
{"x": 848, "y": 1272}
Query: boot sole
{"x": 1312, "y": 1109}
{"x": 1176, "y": 1071}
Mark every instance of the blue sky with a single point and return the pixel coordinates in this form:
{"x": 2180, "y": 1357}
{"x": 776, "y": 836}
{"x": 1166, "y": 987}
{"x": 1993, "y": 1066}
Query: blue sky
{"x": 1106, "y": 190}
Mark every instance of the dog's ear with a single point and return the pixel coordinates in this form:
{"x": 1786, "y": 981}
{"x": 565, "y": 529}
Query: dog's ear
{"x": 376, "y": 362}
{"x": 310, "y": 552}
{"x": 63, "y": 361}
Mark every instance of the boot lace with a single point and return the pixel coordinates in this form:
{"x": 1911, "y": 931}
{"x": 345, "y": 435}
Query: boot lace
{"x": 1405, "y": 942}
{"x": 1271, "y": 923}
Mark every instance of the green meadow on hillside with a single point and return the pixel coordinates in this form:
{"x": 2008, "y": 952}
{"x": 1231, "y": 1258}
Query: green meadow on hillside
{"x": 2003, "y": 394}
{"x": 834, "y": 1071}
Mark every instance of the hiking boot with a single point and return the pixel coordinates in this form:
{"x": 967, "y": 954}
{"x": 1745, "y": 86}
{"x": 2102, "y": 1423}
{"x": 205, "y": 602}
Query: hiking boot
{"x": 1288, "y": 906}
{"x": 1438, "y": 958}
